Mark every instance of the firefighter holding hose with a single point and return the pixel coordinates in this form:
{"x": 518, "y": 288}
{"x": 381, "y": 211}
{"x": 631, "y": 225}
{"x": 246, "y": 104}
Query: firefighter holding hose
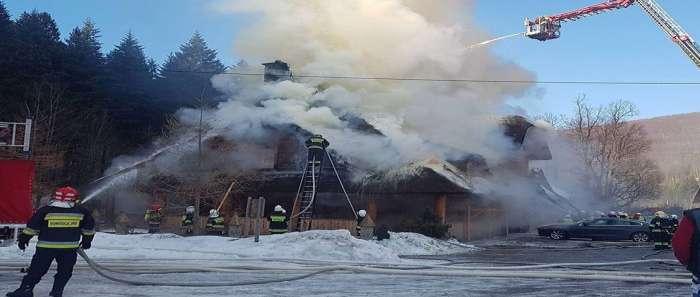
{"x": 59, "y": 226}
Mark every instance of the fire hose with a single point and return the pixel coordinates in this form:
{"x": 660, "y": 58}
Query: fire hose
{"x": 411, "y": 271}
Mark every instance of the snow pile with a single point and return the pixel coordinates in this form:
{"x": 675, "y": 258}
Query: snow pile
{"x": 335, "y": 245}
{"x": 406, "y": 243}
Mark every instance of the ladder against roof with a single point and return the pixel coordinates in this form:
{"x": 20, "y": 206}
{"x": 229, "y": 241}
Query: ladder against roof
{"x": 309, "y": 188}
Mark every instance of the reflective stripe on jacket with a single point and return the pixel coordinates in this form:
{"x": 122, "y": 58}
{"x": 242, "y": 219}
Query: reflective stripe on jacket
{"x": 60, "y": 228}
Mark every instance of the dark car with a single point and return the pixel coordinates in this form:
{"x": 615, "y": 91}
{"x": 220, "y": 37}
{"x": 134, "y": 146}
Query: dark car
{"x": 599, "y": 229}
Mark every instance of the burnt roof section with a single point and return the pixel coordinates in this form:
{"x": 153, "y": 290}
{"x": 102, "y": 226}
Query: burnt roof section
{"x": 277, "y": 64}
{"x": 427, "y": 176}
{"x": 516, "y": 128}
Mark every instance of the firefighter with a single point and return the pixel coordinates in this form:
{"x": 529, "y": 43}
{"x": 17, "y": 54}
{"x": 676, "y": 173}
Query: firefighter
{"x": 278, "y": 220}
{"x": 638, "y": 217}
{"x": 361, "y": 215}
{"x": 215, "y": 223}
{"x": 673, "y": 222}
{"x": 660, "y": 231}
{"x": 188, "y": 220}
{"x": 59, "y": 226}
{"x": 316, "y": 145}
{"x": 122, "y": 224}
{"x": 153, "y": 218}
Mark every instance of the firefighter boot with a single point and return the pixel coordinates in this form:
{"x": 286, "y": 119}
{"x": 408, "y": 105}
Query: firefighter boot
{"x": 56, "y": 293}
{"x": 25, "y": 290}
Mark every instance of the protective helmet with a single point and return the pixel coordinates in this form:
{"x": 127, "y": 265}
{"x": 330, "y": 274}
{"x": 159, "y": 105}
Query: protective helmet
{"x": 362, "y": 213}
{"x": 66, "y": 194}
{"x": 284, "y": 211}
{"x": 279, "y": 208}
{"x": 612, "y": 213}
{"x": 65, "y": 197}
{"x": 155, "y": 206}
{"x": 189, "y": 209}
{"x": 213, "y": 213}
{"x": 660, "y": 214}
{"x": 674, "y": 216}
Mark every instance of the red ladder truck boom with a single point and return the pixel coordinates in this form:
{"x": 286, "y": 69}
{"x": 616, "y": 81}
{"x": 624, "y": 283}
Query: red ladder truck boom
{"x": 547, "y": 27}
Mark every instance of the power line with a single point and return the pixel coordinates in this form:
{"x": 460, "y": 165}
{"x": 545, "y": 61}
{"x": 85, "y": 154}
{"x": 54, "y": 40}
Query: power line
{"x": 457, "y": 80}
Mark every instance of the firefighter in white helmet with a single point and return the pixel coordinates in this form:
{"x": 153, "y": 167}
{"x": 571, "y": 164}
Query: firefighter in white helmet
{"x": 188, "y": 220}
{"x": 659, "y": 231}
{"x": 278, "y": 220}
{"x": 361, "y": 215}
{"x": 215, "y": 223}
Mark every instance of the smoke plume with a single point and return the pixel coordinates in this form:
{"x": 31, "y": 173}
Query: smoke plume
{"x": 370, "y": 38}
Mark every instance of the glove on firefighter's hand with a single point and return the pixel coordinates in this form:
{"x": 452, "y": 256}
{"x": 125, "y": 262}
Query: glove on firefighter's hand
{"x": 23, "y": 241}
{"x": 86, "y": 243}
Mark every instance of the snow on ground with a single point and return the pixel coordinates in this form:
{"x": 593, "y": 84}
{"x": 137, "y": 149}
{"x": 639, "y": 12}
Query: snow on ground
{"x": 336, "y": 245}
{"x": 405, "y": 243}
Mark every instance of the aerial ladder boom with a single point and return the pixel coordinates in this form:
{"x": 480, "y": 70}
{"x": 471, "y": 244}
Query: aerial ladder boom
{"x": 547, "y": 27}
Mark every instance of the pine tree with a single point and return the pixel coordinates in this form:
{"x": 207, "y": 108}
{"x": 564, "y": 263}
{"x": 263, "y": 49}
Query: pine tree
{"x": 83, "y": 42}
{"x": 7, "y": 58}
{"x": 186, "y": 74}
{"x": 127, "y": 65}
{"x": 131, "y": 89}
{"x": 85, "y": 59}
{"x": 38, "y": 41}
{"x": 6, "y": 24}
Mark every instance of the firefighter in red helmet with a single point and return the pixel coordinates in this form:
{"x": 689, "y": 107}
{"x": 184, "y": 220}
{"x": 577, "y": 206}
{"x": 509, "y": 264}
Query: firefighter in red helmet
{"x": 60, "y": 226}
{"x": 153, "y": 217}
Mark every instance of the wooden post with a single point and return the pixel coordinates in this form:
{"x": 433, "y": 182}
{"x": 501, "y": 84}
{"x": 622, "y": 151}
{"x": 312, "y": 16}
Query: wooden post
{"x": 248, "y": 217}
{"x": 469, "y": 222}
{"x": 294, "y": 222}
{"x": 372, "y": 208}
{"x": 505, "y": 219}
{"x": 441, "y": 208}
{"x": 259, "y": 211}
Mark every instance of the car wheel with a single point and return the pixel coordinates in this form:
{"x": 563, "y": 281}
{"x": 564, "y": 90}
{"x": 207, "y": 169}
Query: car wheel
{"x": 557, "y": 235}
{"x": 640, "y": 237}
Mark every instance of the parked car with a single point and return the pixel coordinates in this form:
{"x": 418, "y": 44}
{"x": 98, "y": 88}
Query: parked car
{"x": 599, "y": 229}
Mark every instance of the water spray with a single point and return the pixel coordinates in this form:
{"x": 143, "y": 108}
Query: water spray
{"x": 494, "y": 40}
{"x": 99, "y": 185}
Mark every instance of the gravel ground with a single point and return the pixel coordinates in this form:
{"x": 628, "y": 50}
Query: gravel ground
{"x": 518, "y": 249}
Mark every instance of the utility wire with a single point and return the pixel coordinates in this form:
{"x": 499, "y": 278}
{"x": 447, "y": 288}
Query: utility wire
{"x": 481, "y": 81}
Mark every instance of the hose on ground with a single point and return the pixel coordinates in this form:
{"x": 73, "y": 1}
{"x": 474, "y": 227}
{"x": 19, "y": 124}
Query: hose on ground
{"x": 97, "y": 268}
{"x": 401, "y": 272}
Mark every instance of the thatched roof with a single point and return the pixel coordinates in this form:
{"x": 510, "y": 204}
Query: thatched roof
{"x": 427, "y": 176}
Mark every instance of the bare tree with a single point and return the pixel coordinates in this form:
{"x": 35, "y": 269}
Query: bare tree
{"x": 613, "y": 151}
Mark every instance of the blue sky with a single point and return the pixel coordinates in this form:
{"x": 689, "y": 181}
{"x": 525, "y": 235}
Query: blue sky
{"x": 619, "y": 45}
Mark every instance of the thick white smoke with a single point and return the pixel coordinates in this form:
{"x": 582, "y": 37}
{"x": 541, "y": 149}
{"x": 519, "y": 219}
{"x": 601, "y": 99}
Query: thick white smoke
{"x": 371, "y": 38}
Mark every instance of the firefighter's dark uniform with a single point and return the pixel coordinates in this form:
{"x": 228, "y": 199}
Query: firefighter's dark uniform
{"x": 660, "y": 233}
{"x": 316, "y": 146}
{"x": 187, "y": 222}
{"x": 59, "y": 231}
{"x": 278, "y": 223}
{"x": 153, "y": 219}
{"x": 215, "y": 226}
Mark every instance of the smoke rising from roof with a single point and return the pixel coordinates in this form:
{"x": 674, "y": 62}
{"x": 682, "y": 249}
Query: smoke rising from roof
{"x": 386, "y": 38}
